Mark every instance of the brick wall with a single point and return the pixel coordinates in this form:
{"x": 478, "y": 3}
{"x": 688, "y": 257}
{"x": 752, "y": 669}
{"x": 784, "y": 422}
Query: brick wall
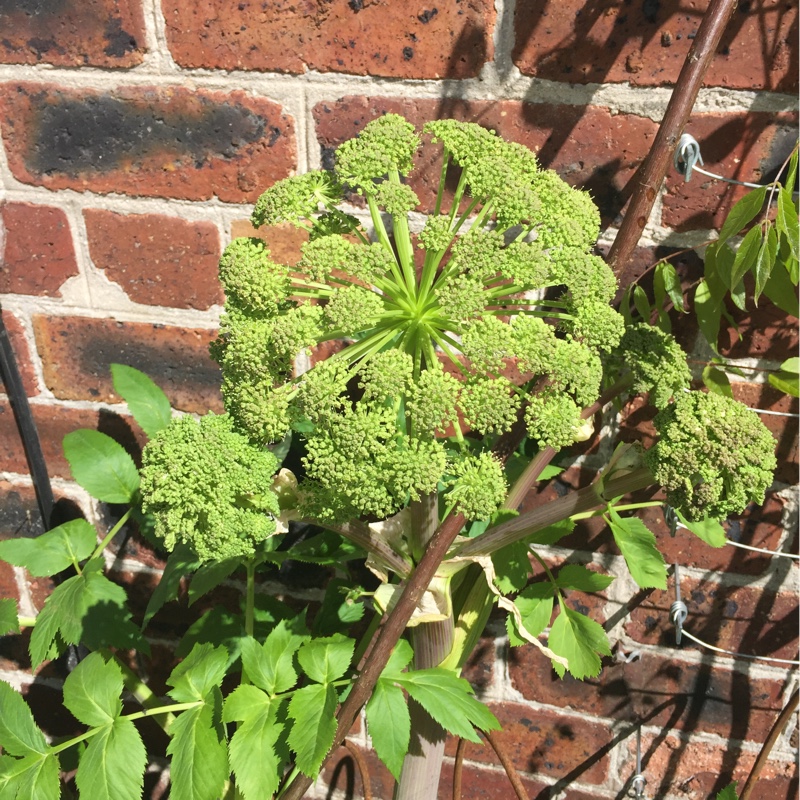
{"x": 135, "y": 134}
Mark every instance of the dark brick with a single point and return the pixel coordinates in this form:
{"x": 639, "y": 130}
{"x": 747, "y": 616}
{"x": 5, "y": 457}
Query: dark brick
{"x": 72, "y": 33}
{"x": 158, "y": 260}
{"x": 647, "y": 43}
{"x": 363, "y": 38}
{"x": 77, "y": 352}
{"x": 747, "y": 147}
{"x": 38, "y": 255}
{"x": 19, "y": 344}
{"x": 164, "y": 142}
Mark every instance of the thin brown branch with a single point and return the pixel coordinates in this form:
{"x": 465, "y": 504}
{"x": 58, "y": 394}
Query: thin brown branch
{"x": 654, "y": 168}
{"x": 779, "y": 725}
{"x": 458, "y": 768}
{"x": 363, "y": 769}
{"x": 508, "y": 766}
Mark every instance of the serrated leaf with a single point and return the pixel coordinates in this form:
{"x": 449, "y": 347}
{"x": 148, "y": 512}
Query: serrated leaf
{"x": 9, "y": 620}
{"x": 253, "y": 757}
{"x": 86, "y": 608}
{"x": 181, "y": 562}
{"x": 743, "y": 212}
{"x": 53, "y": 551}
{"x": 717, "y": 381}
{"x": 580, "y": 640}
{"x": 786, "y": 220}
{"x": 512, "y": 567}
{"x": 34, "y": 776}
{"x": 326, "y": 659}
{"x": 535, "y": 604}
{"x": 576, "y": 576}
{"x": 112, "y": 766}
{"x": 147, "y": 403}
{"x": 271, "y": 666}
{"x": 638, "y": 546}
{"x": 92, "y": 691}
{"x": 746, "y": 256}
{"x": 312, "y": 710}
{"x": 389, "y": 725}
{"x": 399, "y": 659}
{"x": 641, "y": 303}
{"x": 728, "y": 793}
{"x": 211, "y": 575}
{"x": 199, "y": 753}
{"x": 709, "y": 530}
{"x": 201, "y": 671}
{"x": 19, "y": 734}
{"x": 101, "y": 466}
{"x": 765, "y": 261}
{"x": 449, "y": 700}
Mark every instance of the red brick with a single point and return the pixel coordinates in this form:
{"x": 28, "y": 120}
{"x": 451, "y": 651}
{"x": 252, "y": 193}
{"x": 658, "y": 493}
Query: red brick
{"x": 657, "y": 690}
{"x": 158, "y": 260}
{"x": 747, "y": 147}
{"x": 588, "y": 146}
{"x": 763, "y": 332}
{"x": 19, "y": 344}
{"x": 73, "y": 33}
{"x": 647, "y": 44}
{"x": 696, "y": 770}
{"x": 397, "y": 40}
{"x": 77, "y": 352}
{"x": 38, "y": 255}
{"x": 283, "y": 240}
{"x": 153, "y": 141}
{"x": 540, "y": 741}
{"x": 743, "y": 619}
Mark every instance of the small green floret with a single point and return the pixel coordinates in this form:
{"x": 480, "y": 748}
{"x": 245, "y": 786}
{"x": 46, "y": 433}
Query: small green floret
{"x": 713, "y": 456}
{"x": 479, "y": 486}
{"x": 297, "y": 199}
{"x": 209, "y": 488}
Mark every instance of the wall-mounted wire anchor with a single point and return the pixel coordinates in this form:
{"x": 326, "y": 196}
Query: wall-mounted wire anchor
{"x": 678, "y": 611}
{"x": 687, "y": 156}
{"x": 639, "y": 780}
{"x": 625, "y": 658}
{"x": 671, "y": 518}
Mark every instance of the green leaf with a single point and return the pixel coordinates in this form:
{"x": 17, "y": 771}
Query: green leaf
{"x": 786, "y": 379}
{"x": 782, "y": 292}
{"x": 34, "y": 776}
{"x": 101, "y": 466}
{"x": 201, "y": 671}
{"x": 709, "y": 312}
{"x": 338, "y": 611}
{"x": 638, "y": 546}
{"x": 576, "y": 576}
{"x": 709, "y": 530}
{"x": 271, "y": 666}
{"x": 728, "y": 793}
{"x": 717, "y": 381}
{"x": 642, "y": 303}
{"x": 449, "y": 700}
{"x": 92, "y": 691}
{"x": 211, "y": 575}
{"x": 399, "y": 659}
{"x": 86, "y": 608}
{"x": 535, "y": 604}
{"x": 326, "y": 659}
{"x": 199, "y": 753}
{"x": 742, "y": 213}
{"x": 148, "y": 404}
{"x": 581, "y": 641}
{"x": 746, "y": 256}
{"x": 765, "y": 261}
{"x": 313, "y": 710}
{"x": 53, "y": 551}
{"x": 112, "y": 766}
{"x": 389, "y": 725}
{"x": 512, "y": 567}
{"x": 253, "y": 756}
{"x": 552, "y": 533}
{"x": 787, "y": 221}
{"x": 19, "y": 734}
{"x": 625, "y": 307}
{"x": 667, "y": 282}
{"x": 9, "y": 621}
{"x": 181, "y": 562}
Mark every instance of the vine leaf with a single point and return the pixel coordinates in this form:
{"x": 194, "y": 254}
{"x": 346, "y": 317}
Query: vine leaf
{"x": 147, "y": 403}
{"x": 638, "y": 546}
{"x": 389, "y": 725}
{"x": 92, "y": 691}
{"x": 53, "y": 551}
{"x": 112, "y": 766}
{"x": 580, "y": 640}
{"x": 313, "y": 711}
{"x": 101, "y": 466}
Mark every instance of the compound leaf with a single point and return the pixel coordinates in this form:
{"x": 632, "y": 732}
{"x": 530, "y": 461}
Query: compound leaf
{"x": 512, "y": 567}
{"x": 638, "y": 546}
{"x": 271, "y": 666}
{"x": 728, "y": 793}
{"x": 535, "y": 604}
{"x": 327, "y": 658}
{"x": 313, "y": 710}
{"x": 19, "y": 734}
{"x": 709, "y": 530}
{"x": 200, "y": 672}
{"x": 211, "y": 575}
{"x": 34, "y": 776}
{"x": 389, "y": 725}
{"x": 580, "y": 640}
{"x": 576, "y": 576}
{"x": 9, "y": 620}
{"x": 101, "y": 466}
{"x": 92, "y": 691}
{"x": 112, "y": 766}
{"x": 53, "y": 551}
{"x": 148, "y": 404}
